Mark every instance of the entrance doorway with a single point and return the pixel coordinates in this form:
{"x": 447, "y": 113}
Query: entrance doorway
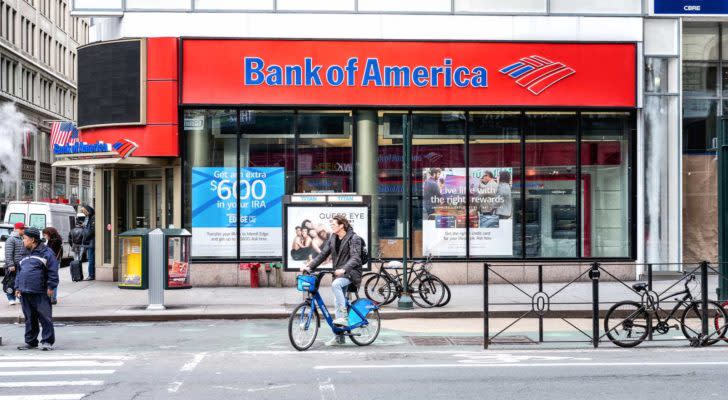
{"x": 145, "y": 200}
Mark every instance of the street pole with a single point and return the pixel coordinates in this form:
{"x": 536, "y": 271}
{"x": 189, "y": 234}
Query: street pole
{"x": 405, "y": 301}
{"x": 722, "y": 214}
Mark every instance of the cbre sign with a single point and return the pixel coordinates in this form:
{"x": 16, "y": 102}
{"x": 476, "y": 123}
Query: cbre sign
{"x": 691, "y": 7}
{"x": 407, "y": 73}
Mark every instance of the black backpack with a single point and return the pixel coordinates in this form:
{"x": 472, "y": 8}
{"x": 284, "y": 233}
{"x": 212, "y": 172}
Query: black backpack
{"x": 364, "y": 252}
{"x": 9, "y": 282}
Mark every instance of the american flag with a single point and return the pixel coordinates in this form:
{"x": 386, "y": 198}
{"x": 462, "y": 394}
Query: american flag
{"x": 63, "y": 132}
{"x": 26, "y": 143}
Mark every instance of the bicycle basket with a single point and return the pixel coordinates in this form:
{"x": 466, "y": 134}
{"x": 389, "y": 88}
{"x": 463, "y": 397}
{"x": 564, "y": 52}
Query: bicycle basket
{"x": 306, "y": 283}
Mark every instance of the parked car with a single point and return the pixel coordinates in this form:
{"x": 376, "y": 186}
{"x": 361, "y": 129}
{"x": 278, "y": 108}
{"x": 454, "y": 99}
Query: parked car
{"x": 5, "y": 231}
{"x": 40, "y": 215}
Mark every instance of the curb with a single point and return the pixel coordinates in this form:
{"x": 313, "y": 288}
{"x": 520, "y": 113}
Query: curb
{"x": 387, "y": 314}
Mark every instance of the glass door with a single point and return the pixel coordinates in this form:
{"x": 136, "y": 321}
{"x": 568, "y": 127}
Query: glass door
{"x": 146, "y": 205}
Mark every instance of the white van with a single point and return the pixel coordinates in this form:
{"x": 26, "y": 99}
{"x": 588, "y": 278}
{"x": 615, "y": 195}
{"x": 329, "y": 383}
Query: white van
{"x": 41, "y": 215}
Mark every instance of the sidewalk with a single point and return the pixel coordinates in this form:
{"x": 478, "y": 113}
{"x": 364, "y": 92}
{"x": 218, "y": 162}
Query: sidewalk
{"x": 104, "y": 301}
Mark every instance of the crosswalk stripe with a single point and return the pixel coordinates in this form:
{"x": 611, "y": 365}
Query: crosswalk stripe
{"x": 49, "y": 383}
{"x": 70, "y": 396}
{"x": 59, "y": 372}
{"x": 48, "y": 364}
{"x": 63, "y": 357}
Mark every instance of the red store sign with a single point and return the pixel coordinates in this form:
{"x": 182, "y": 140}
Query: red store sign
{"x": 370, "y": 73}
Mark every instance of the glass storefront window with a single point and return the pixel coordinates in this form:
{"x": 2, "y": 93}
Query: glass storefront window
{"x": 60, "y": 190}
{"x": 324, "y": 151}
{"x": 28, "y": 188}
{"x": 550, "y": 184}
{"x": 210, "y": 167}
{"x": 519, "y": 208}
{"x": 266, "y": 149}
{"x": 699, "y": 124}
{"x": 700, "y": 79}
{"x": 438, "y": 178}
{"x": 700, "y": 42}
{"x": 495, "y": 183}
{"x": 605, "y": 175}
{"x": 390, "y": 223}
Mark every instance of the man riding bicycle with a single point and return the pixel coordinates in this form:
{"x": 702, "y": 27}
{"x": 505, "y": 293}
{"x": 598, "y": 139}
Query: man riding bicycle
{"x": 344, "y": 246}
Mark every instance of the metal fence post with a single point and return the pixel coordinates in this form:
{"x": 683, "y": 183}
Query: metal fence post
{"x": 157, "y": 267}
{"x": 540, "y": 314}
{"x": 649, "y": 288}
{"x": 594, "y": 276}
{"x": 486, "y": 327}
{"x": 704, "y": 297}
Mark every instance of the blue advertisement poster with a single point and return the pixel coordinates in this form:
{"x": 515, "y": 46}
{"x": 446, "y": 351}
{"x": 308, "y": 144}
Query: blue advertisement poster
{"x": 698, "y": 7}
{"x": 216, "y": 193}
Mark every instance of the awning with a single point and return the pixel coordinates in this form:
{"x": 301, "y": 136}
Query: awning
{"x": 113, "y": 161}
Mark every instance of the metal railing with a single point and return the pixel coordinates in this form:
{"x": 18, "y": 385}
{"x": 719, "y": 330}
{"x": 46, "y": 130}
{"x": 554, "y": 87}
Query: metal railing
{"x": 517, "y": 302}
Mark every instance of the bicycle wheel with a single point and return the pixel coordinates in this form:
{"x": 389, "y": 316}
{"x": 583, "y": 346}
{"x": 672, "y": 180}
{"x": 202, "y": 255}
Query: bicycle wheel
{"x": 429, "y": 293}
{"x": 721, "y": 323}
{"x": 446, "y": 297}
{"x": 691, "y": 322}
{"x": 626, "y": 324}
{"x": 367, "y": 334}
{"x": 303, "y": 326}
{"x": 380, "y": 289}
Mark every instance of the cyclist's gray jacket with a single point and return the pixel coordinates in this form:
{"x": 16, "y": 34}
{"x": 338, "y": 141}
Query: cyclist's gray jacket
{"x": 348, "y": 257}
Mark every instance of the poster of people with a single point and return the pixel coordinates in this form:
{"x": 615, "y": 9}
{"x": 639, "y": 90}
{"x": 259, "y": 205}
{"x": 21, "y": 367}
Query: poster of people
{"x": 216, "y": 193}
{"x": 308, "y": 227}
{"x": 444, "y": 216}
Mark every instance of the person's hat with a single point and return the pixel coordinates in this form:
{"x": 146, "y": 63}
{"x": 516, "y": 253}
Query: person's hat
{"x": 19, "y": 225}
{"x": 32, "y": 233}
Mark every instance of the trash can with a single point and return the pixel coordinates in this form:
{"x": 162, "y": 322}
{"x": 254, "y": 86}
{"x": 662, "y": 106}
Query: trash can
{"x": 177, "y": 254}
{"x": 134, "y": 259}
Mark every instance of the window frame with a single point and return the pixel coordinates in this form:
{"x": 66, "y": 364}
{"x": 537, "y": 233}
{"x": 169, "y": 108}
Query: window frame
{"x": 631, "y": 186}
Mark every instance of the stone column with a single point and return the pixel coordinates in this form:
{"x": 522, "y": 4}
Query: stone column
{"x": 367, "y": 169}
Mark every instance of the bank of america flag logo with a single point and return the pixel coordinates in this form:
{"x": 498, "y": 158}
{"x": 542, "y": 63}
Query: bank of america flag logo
{"x": 63, "y": 133}
{"x": 537, "y": 73}
{"x": 125, "y": 147}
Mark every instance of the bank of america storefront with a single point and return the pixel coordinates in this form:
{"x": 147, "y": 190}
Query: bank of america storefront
{"x": 515, "y": 151}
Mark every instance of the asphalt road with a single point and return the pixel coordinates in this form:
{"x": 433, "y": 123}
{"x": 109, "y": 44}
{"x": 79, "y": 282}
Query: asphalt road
{"x": 253, "y": 360}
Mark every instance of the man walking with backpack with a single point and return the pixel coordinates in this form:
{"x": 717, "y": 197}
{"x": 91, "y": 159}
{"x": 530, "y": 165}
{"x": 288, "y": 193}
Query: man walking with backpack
{"x": 37, "y": 279}
{"x": 345, "y": 248}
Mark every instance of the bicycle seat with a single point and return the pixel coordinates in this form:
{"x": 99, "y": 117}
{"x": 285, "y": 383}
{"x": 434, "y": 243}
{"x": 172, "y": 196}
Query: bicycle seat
{"x": 639, "y": 287}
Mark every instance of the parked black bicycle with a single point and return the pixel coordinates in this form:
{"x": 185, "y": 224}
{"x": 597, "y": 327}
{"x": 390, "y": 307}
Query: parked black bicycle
{"x": 387, "y": 285}
{"x": 628, "y": 323}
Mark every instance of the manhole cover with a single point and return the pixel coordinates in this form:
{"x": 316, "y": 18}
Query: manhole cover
{"x": 515, "y": 339}
{"x": 445, "y": 340}
{"x": 466, "y": 340}
{"x": 428, "y": 340}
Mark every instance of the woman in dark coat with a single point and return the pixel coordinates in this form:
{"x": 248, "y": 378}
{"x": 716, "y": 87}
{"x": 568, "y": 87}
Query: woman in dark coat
{"x": 55, "y": 243}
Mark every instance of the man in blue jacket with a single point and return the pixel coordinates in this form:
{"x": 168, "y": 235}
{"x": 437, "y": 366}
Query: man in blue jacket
{"x": 34, "y": 284}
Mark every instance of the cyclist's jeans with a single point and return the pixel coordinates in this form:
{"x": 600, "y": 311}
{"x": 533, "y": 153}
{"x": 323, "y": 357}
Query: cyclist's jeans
{"x": 338, "y": 286}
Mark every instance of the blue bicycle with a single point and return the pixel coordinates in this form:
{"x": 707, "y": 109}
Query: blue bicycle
{"x": 304, "y": 322}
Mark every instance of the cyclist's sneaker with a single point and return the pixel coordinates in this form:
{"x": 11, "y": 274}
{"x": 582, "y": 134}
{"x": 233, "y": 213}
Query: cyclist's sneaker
{"x": 335, "y": 341}
{"x": 341, "y": 321}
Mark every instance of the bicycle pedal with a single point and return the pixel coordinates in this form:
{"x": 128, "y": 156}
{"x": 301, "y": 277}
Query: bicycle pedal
{"x": 676, "y": 326}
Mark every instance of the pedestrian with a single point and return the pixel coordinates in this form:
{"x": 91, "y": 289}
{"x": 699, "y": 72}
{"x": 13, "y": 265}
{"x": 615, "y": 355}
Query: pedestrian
{"x": 89, "y": 243}
{"x": 36, "y": 280}
{"x": 54, "y": 241}
{"x": 14, "y": 252}
{"x": 345, "y": 247}
{"x": 75, "y": 238}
